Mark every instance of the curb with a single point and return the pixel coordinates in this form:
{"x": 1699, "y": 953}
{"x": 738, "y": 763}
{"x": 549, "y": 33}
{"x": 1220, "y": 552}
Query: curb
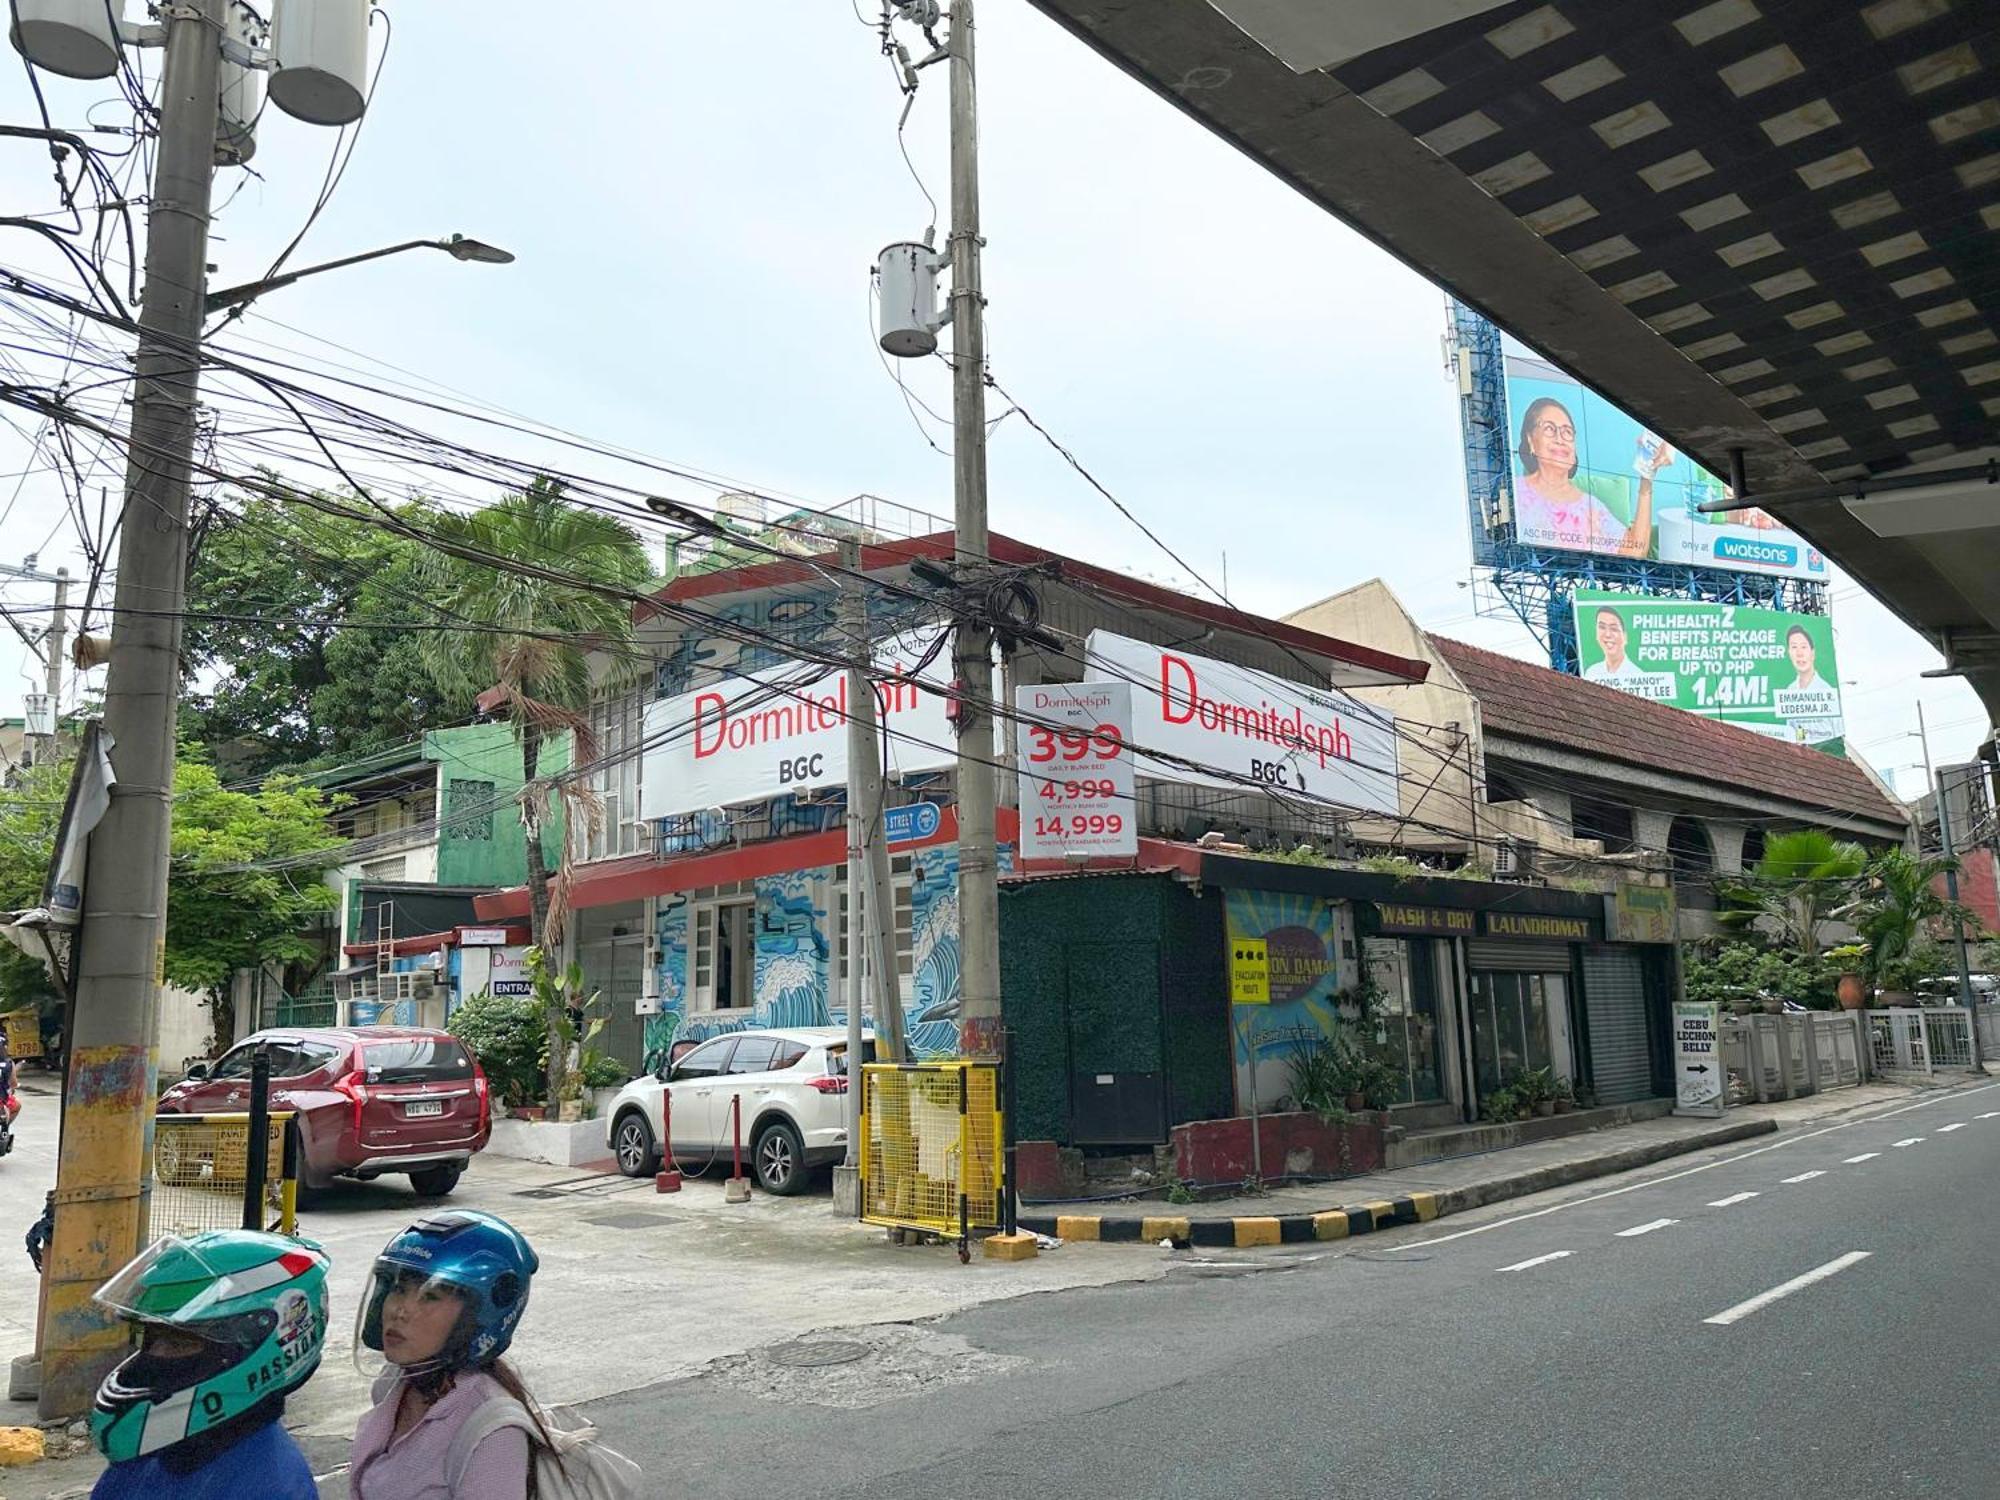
{"x": 1242, "y": 1232}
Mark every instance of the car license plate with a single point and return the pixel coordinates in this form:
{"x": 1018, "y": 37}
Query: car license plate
{"x": 417, "y": 1108}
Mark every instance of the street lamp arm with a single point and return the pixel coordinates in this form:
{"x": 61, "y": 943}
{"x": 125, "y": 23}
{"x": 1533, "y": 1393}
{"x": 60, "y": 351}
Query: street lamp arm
{"x": 458, "y": 247}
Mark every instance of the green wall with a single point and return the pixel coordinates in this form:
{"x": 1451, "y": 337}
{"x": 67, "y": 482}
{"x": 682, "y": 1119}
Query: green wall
{"x": 483, "y": 845}
{"x": 1120, "y": 975}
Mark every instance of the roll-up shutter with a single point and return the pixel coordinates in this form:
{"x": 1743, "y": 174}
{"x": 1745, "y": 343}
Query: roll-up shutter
{"x": 1614, "y": 1002}
{"x": 1520, "y": 958}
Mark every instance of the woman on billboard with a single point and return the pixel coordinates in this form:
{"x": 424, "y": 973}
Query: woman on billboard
{"x": 1550, "y": 510}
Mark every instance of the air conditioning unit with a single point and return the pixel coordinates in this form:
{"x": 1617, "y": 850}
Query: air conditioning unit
{"x": 415, "y": 984}
{"x": 1514, "y": 859}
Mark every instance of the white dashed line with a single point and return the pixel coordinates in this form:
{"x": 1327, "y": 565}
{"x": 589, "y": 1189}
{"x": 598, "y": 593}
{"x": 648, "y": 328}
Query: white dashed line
{"x": 1943, "y": 1129}
{"x": 1803, "y": 1177}
{"x": 1638, "y": 1229}
{"x": 1991, "y": 1114}
{"x": 1539, "y": 1260}
{"x": 1733, "y": 1198}
{"x": 1864, "y": 1156}
{"x": 1785, "y": 1289}
{"x": 1899, "y": 1145}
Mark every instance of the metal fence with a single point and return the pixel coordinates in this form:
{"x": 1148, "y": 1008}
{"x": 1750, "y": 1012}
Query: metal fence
{"x": 931, "y": 1137}
{"x": 1927, "y": 1039}
{"x": 200, "y": 1163}
{"x": 1789, "y": 1056}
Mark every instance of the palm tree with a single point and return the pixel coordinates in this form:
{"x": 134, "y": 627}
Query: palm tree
{"x": 1805, "y": 878}
{"x": 538, "y": 583}
{"x": 1901, "y": 898}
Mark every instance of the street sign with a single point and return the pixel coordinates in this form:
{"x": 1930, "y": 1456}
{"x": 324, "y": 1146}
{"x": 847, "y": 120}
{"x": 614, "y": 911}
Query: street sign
{"x": 1076, "y": 770}
{"x": 1701, "y": 1082}
{"x": 1250, "y": 971}
{"x": 906, "y": 825}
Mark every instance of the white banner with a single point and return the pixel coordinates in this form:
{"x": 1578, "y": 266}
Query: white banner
{"x": 1076, "y": 770}
{"x": 742, "y": 741}
{"x": 1287, "y": 736}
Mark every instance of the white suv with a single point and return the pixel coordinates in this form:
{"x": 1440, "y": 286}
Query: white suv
{"x": 793, "y": 1084}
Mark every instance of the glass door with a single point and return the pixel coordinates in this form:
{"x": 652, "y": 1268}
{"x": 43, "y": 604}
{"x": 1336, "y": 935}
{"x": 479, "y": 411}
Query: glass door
{"x": 1515, "y": 1021}
{"x": 1406, "y": 1027}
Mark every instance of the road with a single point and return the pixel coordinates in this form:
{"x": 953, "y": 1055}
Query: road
{"x": 1807, "y": 1317}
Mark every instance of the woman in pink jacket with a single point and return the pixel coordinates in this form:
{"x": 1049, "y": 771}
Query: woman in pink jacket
{"x": 446, "y": 1297}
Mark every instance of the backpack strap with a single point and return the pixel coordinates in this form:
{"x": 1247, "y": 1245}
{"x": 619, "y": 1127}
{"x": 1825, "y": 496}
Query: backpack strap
{"x": 488, "y": 1418}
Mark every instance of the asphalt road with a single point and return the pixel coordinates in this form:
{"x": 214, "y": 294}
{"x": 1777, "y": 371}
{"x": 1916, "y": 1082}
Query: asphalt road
{"x": 1811, "y": 1316}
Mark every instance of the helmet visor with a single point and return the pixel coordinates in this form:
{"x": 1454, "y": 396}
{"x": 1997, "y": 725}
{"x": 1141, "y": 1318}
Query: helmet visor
{"x": 411, "y": 1322}
{"x": 174, "y": 1282}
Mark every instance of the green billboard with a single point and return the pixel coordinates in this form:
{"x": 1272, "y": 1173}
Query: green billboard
{"x": 1760, "y": 669}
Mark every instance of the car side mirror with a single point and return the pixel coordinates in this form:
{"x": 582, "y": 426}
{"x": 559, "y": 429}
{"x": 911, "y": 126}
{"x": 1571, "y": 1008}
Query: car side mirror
{"x": 196, "y": 1073}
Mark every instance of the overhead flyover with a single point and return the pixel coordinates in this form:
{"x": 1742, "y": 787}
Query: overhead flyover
{"x": 1770, "y": 229}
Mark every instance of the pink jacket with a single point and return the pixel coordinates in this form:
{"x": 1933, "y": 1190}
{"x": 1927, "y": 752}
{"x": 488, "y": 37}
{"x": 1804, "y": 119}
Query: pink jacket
{"x": 412, "y": 1467}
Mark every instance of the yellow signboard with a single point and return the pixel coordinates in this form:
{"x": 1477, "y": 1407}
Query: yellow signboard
{"x": 1250, "y": 971}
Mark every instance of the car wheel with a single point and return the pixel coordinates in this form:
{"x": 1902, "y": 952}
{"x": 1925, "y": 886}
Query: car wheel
{"x": 435, "y": 1182}
{"x": 632, "y": 1146}
{"x": 779, "y": 1159}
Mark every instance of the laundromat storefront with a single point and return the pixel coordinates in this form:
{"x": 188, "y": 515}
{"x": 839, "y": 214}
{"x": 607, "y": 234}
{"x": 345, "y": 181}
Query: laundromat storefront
{"x": 1533, "y": 989}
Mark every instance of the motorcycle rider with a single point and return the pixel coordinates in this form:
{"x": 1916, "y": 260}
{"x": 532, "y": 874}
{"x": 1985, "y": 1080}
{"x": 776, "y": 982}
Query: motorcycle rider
{"x": 230, "y": 1322}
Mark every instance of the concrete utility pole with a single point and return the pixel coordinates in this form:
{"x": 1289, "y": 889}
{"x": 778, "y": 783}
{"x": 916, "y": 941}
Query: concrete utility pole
{"x": 972, "y": 648}
{"x": 100, "y": 1197}
{"x": 40, "y": 749}
{"x": 1966, "y": 997}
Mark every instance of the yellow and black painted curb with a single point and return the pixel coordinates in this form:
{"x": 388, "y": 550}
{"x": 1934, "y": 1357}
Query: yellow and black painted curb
{"x": 1242, "y": 1231}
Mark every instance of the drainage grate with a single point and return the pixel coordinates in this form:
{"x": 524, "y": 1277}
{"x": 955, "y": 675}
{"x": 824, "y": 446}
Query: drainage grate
{"x": 817, "y": 1354}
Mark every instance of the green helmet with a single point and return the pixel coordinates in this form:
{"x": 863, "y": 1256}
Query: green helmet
{"x": 256, "y": 1305}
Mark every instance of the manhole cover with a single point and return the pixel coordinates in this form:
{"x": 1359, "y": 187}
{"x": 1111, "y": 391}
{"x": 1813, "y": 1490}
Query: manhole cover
{"x": 630, "y": 1220}
{"x": 817, "y": 1354}
{"x": 538, "y": 1193}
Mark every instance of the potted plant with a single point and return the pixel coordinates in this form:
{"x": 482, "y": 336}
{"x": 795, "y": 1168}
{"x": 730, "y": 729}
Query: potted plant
{"x": 1899, "y": 902}
{"x": 1565, "y": 1096}
{"x": 1850, "y": 961}
{"x": 1537, "y": 1089}
{"x": 1500, "y": 1106}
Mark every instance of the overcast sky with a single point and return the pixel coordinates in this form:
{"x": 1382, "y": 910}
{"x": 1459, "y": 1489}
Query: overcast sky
{"x": 696, "y": 194}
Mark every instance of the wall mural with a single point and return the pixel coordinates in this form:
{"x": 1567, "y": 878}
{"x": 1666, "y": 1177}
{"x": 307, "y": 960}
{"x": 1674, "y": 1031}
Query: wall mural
{"x": 794, "y": 959}
{"x": 1303, "y": 936}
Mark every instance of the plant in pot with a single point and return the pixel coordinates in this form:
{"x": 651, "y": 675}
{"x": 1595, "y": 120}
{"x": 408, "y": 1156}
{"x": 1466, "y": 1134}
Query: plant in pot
{"x": 1319, "y": 1081}
{"x": 1899, "y": 902}
{"x": 1536, "y": 1088}
{"x": 1850, "y": 961}
{"x": 1501, "y": 1106}
{"x": 1565, "y": 1099}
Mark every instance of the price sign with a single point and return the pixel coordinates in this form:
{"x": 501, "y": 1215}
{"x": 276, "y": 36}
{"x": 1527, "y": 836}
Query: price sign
{"x": 1076, "y": 770}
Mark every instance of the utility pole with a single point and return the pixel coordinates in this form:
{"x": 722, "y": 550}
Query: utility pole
{"x": 1966, "y": 997}
{"x": 972, "y": 646}
{"x": 100, "y": 1187}
{"x": 44, "y": 748}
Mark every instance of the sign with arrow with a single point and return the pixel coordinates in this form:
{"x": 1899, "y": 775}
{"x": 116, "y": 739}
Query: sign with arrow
{"x": 1700, "y": 1082}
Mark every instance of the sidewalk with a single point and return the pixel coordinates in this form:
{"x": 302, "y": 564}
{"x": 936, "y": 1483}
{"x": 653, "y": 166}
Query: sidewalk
{"x": 1417, "y": 1194}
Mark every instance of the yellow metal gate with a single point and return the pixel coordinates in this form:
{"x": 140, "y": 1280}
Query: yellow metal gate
{"x": 931, "y": 1137}
{"x": 199, "y": 1166}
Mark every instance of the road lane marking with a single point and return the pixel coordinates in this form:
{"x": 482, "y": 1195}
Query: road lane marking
{"x": 1899, "y": 1145}
{"x": 1991, "y": 1114}
{"x": 1943, "y": 1129}
{"x": 1733, "y": 1198}
{"x": 1708, "y": 1166}
{"x": 1785, "y": 1289}
{"x": 1638, "y": 1229}
{"x": 1539, "y": 1260}
{"x": 1804, "y": 1177}
{"x": 1864, "y": 1156}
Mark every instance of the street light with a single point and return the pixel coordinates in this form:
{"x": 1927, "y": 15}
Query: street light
{"x": 458, "y": 247}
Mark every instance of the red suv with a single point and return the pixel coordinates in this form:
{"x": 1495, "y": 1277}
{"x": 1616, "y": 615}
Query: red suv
{"x": 370, "y": 1101}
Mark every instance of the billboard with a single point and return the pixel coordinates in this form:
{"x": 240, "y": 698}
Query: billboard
{"x": 1764, "y": 670}
{"x": 741, "y": 740}
{"x": 1585, "y": 477}
{"x": 1073, "y": 743}
{"x": 1262, "y": 730}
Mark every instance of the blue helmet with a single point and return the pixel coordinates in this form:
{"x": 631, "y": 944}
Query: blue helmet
{"x": 481, "y": 1258}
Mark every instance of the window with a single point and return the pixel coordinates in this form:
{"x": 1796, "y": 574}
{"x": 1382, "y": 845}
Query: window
{"x": 901, "y": 880}
{"x": 722, "y": 955}
{"x": 618, "y": 726}
{"x": 234, "y": 1064}
{"x": 787, "y": 1056}
{"x": 709, "y": 1060}
{"x": 417, "y": 1060}
{"x": 468, "y": 811}
{"x": 754, "y": 1054}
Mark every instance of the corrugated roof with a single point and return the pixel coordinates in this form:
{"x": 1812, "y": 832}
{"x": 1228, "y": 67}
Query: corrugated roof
{"x": 1530, "y": 702}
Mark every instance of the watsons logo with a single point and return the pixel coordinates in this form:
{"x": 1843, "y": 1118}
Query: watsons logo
{"x": 1751, "y": 550}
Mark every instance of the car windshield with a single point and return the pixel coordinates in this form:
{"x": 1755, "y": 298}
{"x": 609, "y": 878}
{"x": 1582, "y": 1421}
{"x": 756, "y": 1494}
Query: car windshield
{"x": 416, "y": 1060}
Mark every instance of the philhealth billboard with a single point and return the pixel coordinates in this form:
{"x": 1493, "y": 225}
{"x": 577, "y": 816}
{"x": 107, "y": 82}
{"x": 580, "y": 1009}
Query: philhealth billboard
{"x": 1588, "y": 478}
{"x": 1760, "y": 669}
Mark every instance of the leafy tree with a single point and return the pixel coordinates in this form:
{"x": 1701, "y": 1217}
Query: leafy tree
{"x": 533, "y": 638}
{"x": 1899, "y": 902}
{"x": 221, "y": 916}
{"x": 292, "y": 673}
{"x": 1805, "y": 878}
